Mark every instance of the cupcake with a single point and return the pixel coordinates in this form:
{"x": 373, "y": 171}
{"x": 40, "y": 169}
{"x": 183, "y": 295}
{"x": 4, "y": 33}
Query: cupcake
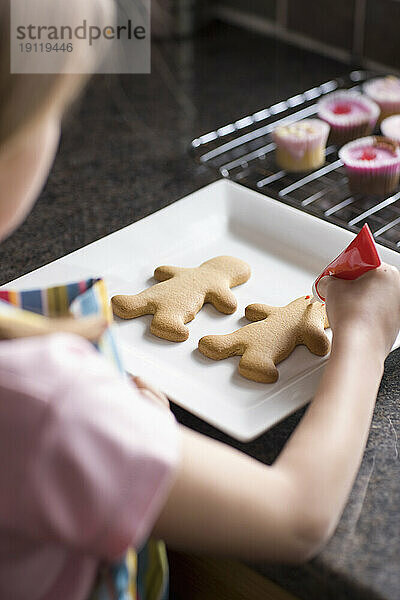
{"x": 349, "y": 114}
{"x": 372, "y": 164}
{"x": 390, "y": 127}
{"x": 385, "y": 91}
{"x": 301, "y": 146}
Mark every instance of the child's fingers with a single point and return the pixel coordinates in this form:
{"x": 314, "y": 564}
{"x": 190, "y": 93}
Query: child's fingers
{"x": 323, "y": 285}
{"x": 139, "y": 382}
{"x": 155, "y": 398}
{"x": 144, "y": 386}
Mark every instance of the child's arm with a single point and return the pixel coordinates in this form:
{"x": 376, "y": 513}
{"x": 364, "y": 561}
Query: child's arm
{"x": 90, "y": 328}
{"x": 225, "y": 502}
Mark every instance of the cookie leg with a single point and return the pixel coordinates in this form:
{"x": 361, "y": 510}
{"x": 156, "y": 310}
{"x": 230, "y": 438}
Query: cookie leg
{"x": 258, "y": 367}
{"x": 130, "y": 307}
{"x": 219, "y": 347}
{"x": 317, "y": 341}
{"x": 169, "y": 327}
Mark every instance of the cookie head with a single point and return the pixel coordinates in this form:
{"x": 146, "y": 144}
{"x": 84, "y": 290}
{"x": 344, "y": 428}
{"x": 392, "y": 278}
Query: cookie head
{"x": 236, "y": 269}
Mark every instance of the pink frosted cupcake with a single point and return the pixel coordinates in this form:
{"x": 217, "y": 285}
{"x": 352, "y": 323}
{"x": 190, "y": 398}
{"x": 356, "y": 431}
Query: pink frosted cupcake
{"x": 349, "y": 114}
{"x": 372, "y": 164}
{"x": 385, "y": 91}
{"x": 301, "y": 146}
{"x": 391, "y": 127}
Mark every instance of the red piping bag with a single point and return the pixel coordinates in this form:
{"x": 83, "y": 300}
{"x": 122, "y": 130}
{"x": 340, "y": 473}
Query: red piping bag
{"x": 358, "y": 258}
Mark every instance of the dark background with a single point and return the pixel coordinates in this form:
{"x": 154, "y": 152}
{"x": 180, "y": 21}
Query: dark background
{"x": 367, "y": 30}
{"x": 123, "y": 155}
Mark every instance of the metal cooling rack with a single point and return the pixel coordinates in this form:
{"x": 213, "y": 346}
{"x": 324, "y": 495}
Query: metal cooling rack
{"x": 244, "y": 152}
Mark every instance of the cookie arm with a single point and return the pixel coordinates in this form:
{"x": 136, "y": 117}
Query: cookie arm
{"x": 219, "y": 347}
{"x": 258, "y": 312}
{"x": 130, "y": 307}
{"x": 166, "y": 272}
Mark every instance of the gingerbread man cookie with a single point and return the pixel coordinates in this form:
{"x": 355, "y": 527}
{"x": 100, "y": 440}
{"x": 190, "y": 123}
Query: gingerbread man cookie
{"x": 182, "y": 293}
{"x": 264, "y": 344}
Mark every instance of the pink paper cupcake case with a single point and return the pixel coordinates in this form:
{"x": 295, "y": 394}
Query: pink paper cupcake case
{"x": 378, "y": 174}
{"x": 390, "y": 127}
{"x": 385, "y": 91}
{"x": 358, "y": 118}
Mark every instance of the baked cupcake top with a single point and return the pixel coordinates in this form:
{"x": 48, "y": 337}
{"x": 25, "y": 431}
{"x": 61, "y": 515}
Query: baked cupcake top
{"x": 372, "y": 152}
{"x": 391, "y": 127}
{"x": 383, "y": 89}
{"x": 299, "y": 137}
{"x": 344, "y": 108}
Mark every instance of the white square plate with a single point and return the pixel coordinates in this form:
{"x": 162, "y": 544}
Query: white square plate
{"x": 285, "y": 248}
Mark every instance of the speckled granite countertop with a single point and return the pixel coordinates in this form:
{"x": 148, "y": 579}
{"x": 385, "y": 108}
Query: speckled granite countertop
{"x": 122, "y": 157}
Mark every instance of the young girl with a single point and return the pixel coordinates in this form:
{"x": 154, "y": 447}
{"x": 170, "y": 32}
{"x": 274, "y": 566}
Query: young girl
{"x": 92, "y": 464}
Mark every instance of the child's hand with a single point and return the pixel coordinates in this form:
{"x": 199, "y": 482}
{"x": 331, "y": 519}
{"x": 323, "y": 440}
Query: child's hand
{"x": 90, "y": 328}
{"x": 151, "y": 393}
{"x": 370, "y": 304}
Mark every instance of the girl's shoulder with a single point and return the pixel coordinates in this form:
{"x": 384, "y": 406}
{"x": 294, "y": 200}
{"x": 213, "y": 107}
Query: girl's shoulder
{"x": 37, "y": 366}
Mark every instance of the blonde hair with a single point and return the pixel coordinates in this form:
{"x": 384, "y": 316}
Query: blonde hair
{"x": 24, "y": 99}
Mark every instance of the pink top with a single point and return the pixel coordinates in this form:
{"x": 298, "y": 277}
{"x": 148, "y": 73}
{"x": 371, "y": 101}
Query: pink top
{"x": 385, "y": 91}
{"x": 345, "y": 108}
{"x": 87, "y": 463}
{"x": 371, "y": 152}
